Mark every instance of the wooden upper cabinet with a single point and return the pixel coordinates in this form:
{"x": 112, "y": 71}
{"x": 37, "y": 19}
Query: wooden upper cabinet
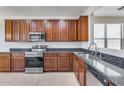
{"x": 72, "y": 30}
{"x": 33, "y": 25}
{"x": 40, "y": 25}
{"x": 48, "y": 29}
{"x": 24, "y": 30}
{"x": 56, "y": 30}
{"x": 8, "y": 30}
{"x": 4, "y": 61}
{"x": 15, "y": 30}
{"x": 63, "y": 62}
{"x": 37, "y": 25}
{"x": 64, "y": 30}
{"x": 83, "y": 28}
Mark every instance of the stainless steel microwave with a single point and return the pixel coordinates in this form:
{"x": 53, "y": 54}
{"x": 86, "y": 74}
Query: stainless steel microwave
{"x": 36, "y": 36}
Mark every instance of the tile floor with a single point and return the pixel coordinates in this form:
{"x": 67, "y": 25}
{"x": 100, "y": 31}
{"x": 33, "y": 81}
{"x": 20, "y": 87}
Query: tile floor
{"x": 45, "y": 79}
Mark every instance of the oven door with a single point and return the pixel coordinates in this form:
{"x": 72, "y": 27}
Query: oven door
{"x": 33, "y": 62}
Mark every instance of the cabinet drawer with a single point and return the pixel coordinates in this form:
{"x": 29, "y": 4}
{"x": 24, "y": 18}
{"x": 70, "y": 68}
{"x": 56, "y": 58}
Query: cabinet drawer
{"x": 18, "y": 54}
{"x": 50, "y": 54}
{"x": 63, "y": 54}
{"x": 5, "y": 54}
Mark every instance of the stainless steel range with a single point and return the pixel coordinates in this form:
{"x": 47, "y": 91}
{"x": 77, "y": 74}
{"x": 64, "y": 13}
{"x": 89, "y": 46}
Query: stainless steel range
{"x": 34, "y": 60}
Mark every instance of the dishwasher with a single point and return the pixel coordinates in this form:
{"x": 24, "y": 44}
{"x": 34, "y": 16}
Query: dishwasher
{"x": 94, "y": 78}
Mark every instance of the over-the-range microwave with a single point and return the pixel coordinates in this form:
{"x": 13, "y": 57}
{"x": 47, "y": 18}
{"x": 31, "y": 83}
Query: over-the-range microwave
{"x": 36, "y": 36}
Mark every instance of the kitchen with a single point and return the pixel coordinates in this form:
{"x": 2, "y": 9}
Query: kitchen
{"x": 56, "y": 44}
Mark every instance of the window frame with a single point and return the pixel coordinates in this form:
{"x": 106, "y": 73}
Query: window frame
{"x": 105, "y": 35}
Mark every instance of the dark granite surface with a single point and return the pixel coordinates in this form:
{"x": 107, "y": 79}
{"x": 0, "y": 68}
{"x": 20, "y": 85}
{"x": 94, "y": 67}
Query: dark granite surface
{"x": 48, "y": 49}
{"x": 19, "y": 49}
{"x": 111, "y": 72}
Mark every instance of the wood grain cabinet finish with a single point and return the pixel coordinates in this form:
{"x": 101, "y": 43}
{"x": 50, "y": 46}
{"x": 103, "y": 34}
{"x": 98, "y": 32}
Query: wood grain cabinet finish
{"x": 75, "y": 66}
{"x": 55, "y": 30}
{"x": 36, "y": 25}
{"x": 15, "y": 30}
{"x": 83, "y": 28}
{"x": 57, "y": 62}
{"x": 8, "y": 30}
{"x": 4, "y": 61}
{"x": 64, "y": 30}
{"x": 50, "y": 62}
{"x": 79, "y": 70}
{"x": 72, "y": 30}
{"x": 81, "y": 77}
{"x": 24, "y": 30}
{"x": 48, "y": 29}
{"x": 63, "y": 62}
{"x": 17, "y": 63}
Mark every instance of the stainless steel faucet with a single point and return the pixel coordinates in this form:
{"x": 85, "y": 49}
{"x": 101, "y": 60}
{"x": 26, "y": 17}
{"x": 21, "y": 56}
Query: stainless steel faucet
{"x": 93, "y": 45}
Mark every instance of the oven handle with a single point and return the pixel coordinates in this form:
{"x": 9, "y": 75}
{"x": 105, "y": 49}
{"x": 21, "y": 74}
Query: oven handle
{"x": 34, "y": 56}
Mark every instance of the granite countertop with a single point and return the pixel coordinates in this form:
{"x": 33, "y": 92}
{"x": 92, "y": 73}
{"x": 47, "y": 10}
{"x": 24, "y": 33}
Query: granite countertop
{"x": 111, "y": 72}
{"x": 58, "y": 51}
{"x": 49, "y": 50}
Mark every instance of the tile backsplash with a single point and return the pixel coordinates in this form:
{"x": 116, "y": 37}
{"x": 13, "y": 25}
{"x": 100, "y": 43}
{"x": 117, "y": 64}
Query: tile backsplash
{"x": 5, "y": 46}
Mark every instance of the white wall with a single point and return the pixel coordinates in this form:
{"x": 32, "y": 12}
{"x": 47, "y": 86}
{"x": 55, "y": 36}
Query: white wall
{"x": 5, "y": 46}
{"x": 108, "y": 19}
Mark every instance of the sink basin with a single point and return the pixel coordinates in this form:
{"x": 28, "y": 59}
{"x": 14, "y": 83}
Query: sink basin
{"x": 88, "y": 56}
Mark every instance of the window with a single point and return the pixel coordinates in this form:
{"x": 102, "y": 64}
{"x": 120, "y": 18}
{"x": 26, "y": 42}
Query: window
{"x": 99, "y": 34}
{"x": 113, "y": 32}
{"x": 108, "y": 35}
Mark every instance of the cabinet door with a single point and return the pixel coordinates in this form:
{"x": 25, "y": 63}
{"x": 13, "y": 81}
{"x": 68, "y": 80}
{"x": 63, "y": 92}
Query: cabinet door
{"x": 71, "y": 62}
{"x": 18, "y": 63}
{"x": 4, "y": 62}
{"x": 40, "y": 25}
{"x": 56, "y": 30}
{"x": 83, "y": 28}
{"x": 50, "y": 63}
{"x": 81, "y": 72}
{"x": 76, "y": 70}
{"x": 15, "y": 30}
{"x": 63, "y": 62}
{"x": 64, "y": 30}
{"x": 33, "y": 26}
{"x": 48, "y": 29}
{"x": 72, "y": 30}
{"x": 8, "y": 30}
{"x": 75, "y": 66}
{"x": 24, "y": 30}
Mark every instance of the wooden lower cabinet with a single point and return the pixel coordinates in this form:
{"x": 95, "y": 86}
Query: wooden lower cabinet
{"x": 50, "y": 64}
{"x": 17, "y": 63}
{"x": 4, "y": 61}
{"x": 57, "y": 62}
{"x": 63, "y": 62}
{"x": 75, "y": 66}
{"x": 81, "y": 76}
{"x": 79, "y": 70}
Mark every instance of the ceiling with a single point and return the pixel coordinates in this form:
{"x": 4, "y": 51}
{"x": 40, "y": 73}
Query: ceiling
{"x": 42, "y": 10}
{"x": 109, "y": 11}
